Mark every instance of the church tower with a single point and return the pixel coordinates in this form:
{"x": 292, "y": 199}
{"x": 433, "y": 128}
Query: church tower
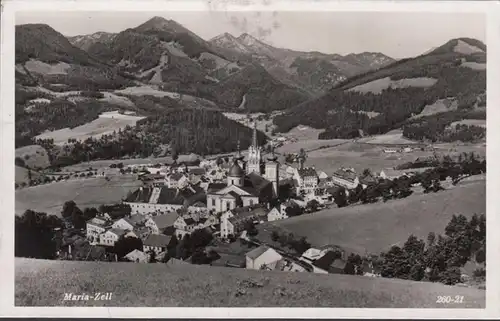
{"x": 273, "y": 173}
{"x": 253, "y": 163}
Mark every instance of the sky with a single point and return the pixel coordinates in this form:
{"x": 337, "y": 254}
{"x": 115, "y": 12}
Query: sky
{"x": 396, "y": 34}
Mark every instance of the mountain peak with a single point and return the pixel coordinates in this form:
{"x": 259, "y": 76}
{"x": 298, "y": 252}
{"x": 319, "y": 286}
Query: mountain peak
{"x": 162, "y": 24}
{"x": 465, "y": 46}
{"x": 248, "y": 40}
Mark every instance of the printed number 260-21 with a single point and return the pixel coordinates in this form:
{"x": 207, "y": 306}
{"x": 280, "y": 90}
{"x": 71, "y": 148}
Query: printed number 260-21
{"x": 450, "y": 299}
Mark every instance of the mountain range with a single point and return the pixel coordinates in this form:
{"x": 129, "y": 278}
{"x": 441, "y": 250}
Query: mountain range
{"x": 347, "y": 96}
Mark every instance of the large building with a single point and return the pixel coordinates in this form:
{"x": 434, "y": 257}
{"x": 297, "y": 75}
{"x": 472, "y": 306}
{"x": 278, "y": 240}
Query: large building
{"x": 245, "y": 188}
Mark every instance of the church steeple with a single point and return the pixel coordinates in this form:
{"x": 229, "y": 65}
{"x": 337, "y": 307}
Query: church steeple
{"x": 254, "y": 137}
{"x": 253, "y": 163}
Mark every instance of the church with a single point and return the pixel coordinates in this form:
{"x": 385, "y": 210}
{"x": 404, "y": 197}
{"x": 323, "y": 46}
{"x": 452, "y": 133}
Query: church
{"x": 255, "y": 185}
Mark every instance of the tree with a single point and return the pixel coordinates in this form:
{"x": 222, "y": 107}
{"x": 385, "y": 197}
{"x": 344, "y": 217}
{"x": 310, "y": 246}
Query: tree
{"x": 35, "y": 235}
{"x": 340, "y": 197}
{"x": 175, "y": 154}
{"x": 354, "y": 265}
{"x": 312, "y": 205}
{"x": 126, "y": 245}
{"x": 68, "y": 209}
{"x": 152, "y": 256}
{"x": 275, "y": 236}
{"x": 251, "y": 229}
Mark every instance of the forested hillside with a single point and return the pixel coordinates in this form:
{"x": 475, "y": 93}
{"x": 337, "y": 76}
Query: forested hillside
{"x": 343, "y": 111}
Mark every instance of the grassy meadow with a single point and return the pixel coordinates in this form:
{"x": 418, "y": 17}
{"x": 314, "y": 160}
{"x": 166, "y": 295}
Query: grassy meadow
{"x": 86, "y": 192}
{"x": 43, "y": 283}
{"x": 374, "y": 228}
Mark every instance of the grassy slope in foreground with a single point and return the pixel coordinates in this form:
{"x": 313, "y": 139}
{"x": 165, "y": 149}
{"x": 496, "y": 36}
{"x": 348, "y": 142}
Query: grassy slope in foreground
{"x": 376, "y": 227}
{"x": 43, "y": 283}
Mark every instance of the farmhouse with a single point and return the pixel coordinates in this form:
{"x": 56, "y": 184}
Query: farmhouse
{"x": 96, "y": 227}
{"x": 164, "y": 199}
{"x": 110, "y": 237}
{"x": 159, "y": 223}
{"x": 275, "y": 214}
{"x": 330, "y": 262}
{"x": 157, "y": 243}
{"x": 176, "y": 180}
{"x": 129, "y": 223}
{"x": 234, "y": 221}
{"x": 345, "y": 177}
{"x": 262, "y": 257}
{"x": 139, "y": 232}
{"x": 137, "y": 256}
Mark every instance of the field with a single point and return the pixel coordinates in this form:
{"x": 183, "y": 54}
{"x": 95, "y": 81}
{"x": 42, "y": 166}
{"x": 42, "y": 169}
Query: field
{"x": 469, "y": 122}
{"x": 374, "y": 228}
{"x": 33, "y": 156}
{"x": 43, "y": 283}
{"x": 106, "y": 124}
{"x": 369, "y": 152}
{"x": 377, "y": 86}
{"x": 100, "y": 164}
{"x": 21, "y": 175}
{"x": 86, "y": 192}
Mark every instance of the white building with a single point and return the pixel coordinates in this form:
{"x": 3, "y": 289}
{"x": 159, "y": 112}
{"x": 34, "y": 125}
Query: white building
{"x": 148, "y": 200}
{"x": 157, "y": 243}
{"x": 262, "y": 257}
{"x": 234, "y": 221}
{"x": 346, "y": 178}
{"x": 275, "y": 215}
{"x": 111, "y": 236}
{"x": 306, "y": 180}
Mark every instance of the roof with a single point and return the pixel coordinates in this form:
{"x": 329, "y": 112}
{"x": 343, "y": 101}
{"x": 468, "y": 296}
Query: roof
{"x": 241, "y": 217}
{"x": 141, "y": 195}
{"x": 345, "y": 174}
{"x": 136, "y": 254}
{"x": 236, "y": 170}
{"x": 135, "y": 219}
{"x": 186, "y": 196}
{"x": 197, "y": 171}
{"x": 326, "y": 261}
{"x": 158, "y": 240}
{"x": 165, "y": 220}
{"x": 229, "y": 259}
{"x": 214, "y": 187}
{"x": 307, "y": 172}
{"x": 117, "y": 231}
{"x": 255, "y": 184}
{"x": 176, "y": 176}
{"x": 255, "y": 253}
{"x": 141, "y": 229}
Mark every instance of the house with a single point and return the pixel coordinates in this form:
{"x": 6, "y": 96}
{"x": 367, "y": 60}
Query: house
{"x": 159, "y": 223}
{"x": 186, "y": 225}
{"x": 313, "y": 254}
{"x": 306, "y": 180}
{"x": 111, "y": 236}
{"x": 152, "y": 180}
{"x": 234, "y": 221}
{"x": 157, "y": 243}
{"x": 129, "y": 223}
{"x": 137, "y": 256}
{"x": 331, "y": 262}
{"x": 322, "y": 175}
{"x": 164, "y": 199}
{"x": 176, "y": 180}
{"x": 230, "y": 260}
{"x": 139, "y": 232}
{"x": 285, "y": 265}
{"x": 391, "y": 150}
{"x": 262, "y": 257}
{"x": 345, "y": 177}
{"x": 389, "y": 173}
{"x": 96, "y": 227}
{"x": 275, "y": 214}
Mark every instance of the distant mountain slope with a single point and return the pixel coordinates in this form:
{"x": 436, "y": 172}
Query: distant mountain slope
{"x": 84, "y": 42}
{"x": 46, "y": 57}
{"x": 398, "y": 92}
{"x": 313, "y": 71}
{"x": 41, "y": 282}
{"x": 164, "y": 53}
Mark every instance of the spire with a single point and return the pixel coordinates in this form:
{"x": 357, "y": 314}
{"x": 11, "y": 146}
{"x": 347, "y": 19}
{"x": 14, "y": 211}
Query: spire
{"x": 238, "y": 148}
{"x": 254, "y": 138}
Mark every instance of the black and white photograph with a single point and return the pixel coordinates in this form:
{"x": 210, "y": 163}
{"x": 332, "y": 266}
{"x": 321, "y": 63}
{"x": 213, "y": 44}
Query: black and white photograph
{"x": 244, "y": 159}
